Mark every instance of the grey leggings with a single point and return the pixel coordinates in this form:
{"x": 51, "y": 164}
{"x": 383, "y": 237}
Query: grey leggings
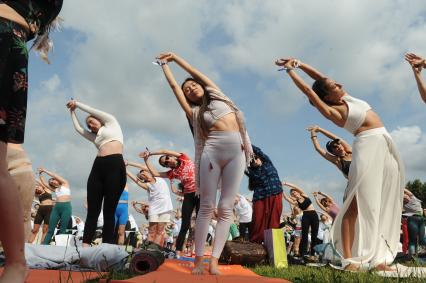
{"x": 221, "y": 167}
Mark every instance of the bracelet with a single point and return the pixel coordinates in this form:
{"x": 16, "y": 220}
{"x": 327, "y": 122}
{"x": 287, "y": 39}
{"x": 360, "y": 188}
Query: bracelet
{"x": 289, "y": 69}
{"x": 313, "y": 137}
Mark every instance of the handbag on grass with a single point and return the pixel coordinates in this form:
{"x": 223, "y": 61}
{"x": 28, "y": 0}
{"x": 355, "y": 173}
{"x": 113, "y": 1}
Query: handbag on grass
{"x": 275, "y": 245}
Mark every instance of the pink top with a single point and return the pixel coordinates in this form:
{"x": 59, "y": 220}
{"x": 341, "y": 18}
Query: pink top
{"x": 333, "y": 211}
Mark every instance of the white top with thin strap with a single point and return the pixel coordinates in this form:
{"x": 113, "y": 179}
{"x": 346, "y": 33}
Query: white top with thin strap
{"x": 110, "y": 131}
{"x": 62, "y": 191}
{"x": 357, "y": 110}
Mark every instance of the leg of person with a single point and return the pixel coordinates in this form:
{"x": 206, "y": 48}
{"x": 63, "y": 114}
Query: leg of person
{"x": 53, "y": 222}
{"x": 303, "y": 248}
{"x": 275, "y": 208}
{"x": 13, "y": 239}
{"x": 413, "y": 232}
{"x": 33, "y": 234}
{"x": 209, "y": 179}
{"x": 13, "y": 91}
{"x": 38, "y": 219}
{"x": 421, "y": 227}
{"x": 296, "y": 245}
{"x": 94, "y": 204}
{"x": 314, "y": 230}
{"x": 65, "y": 215}
{"x": 47, "y": 211}
{"x": 159, "y": 234}
{"x": 121, "y": 216}
{"x": 232, "y": 174}
{"x": 152, "y": 230}
{"x": 121, "y": 234}
{"x": 114, "y": 183}
{"x": 187, "y": 208}
{"x": 348, "y": 228}
{"x": 26, "y": 183}
{"x": 44, "y": 230}
{"x": 258, "y": 221}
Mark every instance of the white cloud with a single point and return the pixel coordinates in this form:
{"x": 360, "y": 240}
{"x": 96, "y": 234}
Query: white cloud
{"x": 411, "y": 143}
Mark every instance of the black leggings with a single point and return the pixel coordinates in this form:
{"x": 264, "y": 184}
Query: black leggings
{"x": 309, "y": 218}
{"x": 106, "y": 183}
{"x": 190, "y": 201}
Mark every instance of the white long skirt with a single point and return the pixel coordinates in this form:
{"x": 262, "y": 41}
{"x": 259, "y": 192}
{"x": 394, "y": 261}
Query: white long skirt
{"x": 376, "y": 180}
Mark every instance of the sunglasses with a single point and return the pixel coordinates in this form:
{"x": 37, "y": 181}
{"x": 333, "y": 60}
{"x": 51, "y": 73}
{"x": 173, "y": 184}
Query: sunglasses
{"x": 166, "y": 161}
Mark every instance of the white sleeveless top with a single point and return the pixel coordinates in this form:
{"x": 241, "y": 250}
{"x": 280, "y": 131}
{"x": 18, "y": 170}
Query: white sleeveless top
{"x": 357, "y": 110}
{"x": 62, "y": 191}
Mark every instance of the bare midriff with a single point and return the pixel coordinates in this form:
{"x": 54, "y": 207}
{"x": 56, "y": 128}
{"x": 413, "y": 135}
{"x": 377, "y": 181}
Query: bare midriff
{"x": 372, "y": 121}
{"x": 227, "y": 123}
{"x": 112, "y": 147}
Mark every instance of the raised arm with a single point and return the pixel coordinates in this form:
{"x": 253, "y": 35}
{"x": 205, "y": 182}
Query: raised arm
{"x": 289, "y": 199}
{"x": 293, "y": 186}
{"x": 85, "y": 133}
{"x": 43, "y": 181}
{"x": 407, "y": 192}
{"x": 314, "y": 138}
{"x": 417, "y": 64}
{"x": 318, "y": 202}
{"x": 145, "y": 155}
{"x": 258, "y": 152}
{"x": 332, "y": 136}
{"x": 165, "y": 152}
{"x": 177, "y": 91}
{"x": 196, "y": 74}
{"x": 327, "y": 111}
{"x": 55, "y": 176}
{"x": 137, "y": 181}
{"x": 101, "y": 115}
{"x": 327, "y": 196}
{"x": 311, "y": 71}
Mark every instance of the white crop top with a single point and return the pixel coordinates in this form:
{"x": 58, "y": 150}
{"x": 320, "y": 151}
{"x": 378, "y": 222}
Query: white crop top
{"x": 357, "y": 110}
{"x": 218, "y": 110}
{"x": 110, "y": 131}
{"x": 62, "y": 191}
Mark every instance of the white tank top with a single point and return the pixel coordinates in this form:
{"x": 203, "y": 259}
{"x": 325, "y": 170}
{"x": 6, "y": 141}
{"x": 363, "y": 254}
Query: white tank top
{"x": 357, "y": 110}
{"x": 62, "y": 191}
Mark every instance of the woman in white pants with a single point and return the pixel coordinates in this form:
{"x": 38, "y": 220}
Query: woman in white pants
{"x": 366, "y": 231}
{"x": 222, "y": 150}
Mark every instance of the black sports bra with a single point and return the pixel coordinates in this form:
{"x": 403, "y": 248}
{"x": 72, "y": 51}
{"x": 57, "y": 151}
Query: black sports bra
{"x": 44, "y": 197}
{"x": 305, "y": 204}
{"x": 345, "y": 164}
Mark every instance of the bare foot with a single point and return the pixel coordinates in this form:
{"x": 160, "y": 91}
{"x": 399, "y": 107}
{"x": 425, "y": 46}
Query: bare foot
{"x": 384, "y": 267}
{"x": 198, "y": 266}
{"x": 352, "y": 267}
{"x": 15, "y": 273}
{"x": 214, "y": 266}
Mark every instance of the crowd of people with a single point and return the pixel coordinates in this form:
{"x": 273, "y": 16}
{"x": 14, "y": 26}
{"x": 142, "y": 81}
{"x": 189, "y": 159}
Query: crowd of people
{"x": 364, "y": 230}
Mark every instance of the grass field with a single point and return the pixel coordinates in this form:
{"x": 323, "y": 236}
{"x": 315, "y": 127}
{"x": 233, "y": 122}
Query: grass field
{"x": 299, "y": 274}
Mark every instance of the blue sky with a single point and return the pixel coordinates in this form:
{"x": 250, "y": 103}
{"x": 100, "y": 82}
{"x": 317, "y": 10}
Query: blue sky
{"x": 103, "y": 57}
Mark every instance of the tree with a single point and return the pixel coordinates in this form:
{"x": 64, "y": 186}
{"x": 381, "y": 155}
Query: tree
{"x": 418, "y": 189}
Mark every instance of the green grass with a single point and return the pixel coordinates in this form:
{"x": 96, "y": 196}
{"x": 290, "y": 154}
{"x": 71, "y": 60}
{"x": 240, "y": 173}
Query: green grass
{"x": 305, "y": 274}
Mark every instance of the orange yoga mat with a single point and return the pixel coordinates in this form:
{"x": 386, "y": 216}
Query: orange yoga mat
{"x": 178, "y": 271}
{"x": 54, "y": 276}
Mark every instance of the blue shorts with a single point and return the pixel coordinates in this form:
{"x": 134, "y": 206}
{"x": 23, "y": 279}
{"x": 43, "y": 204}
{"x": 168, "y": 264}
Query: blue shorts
{"x": 121, "y": 213}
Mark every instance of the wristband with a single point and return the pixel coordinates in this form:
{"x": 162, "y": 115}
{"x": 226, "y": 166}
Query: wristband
{"x": 313, "y": 137}
{"x": 159, "y": 62}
